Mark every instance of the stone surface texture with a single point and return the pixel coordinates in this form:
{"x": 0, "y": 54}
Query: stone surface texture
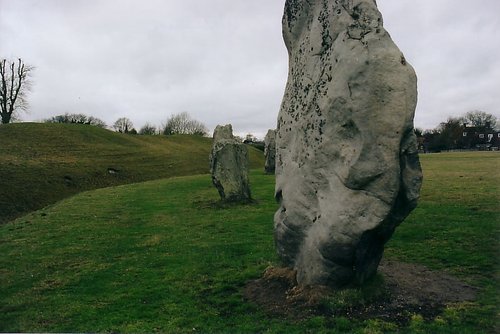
{"x": 347, "y": 170}
{"x": 270, "y": 151}
{"x": 229, "y": 165}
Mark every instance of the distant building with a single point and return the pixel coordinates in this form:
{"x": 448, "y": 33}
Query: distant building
{"x": 483, "y": 138}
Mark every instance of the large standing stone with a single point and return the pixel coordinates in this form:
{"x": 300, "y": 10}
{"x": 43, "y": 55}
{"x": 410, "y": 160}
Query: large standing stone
{"x": 229, "y": 165}
{"x": 270, "y": 151}
{"x": 347, "y": 170}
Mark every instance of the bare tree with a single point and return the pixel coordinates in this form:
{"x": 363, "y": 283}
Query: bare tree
{"x": 77, "y": 119}
{"x": 148, "y": 129}
{"x": 479, "y": 118}
{"x": 183, "y": 124}
{"x": 14, "y": 83}
{"x": 123, "y": 125}
{"x": 91, "y": 120}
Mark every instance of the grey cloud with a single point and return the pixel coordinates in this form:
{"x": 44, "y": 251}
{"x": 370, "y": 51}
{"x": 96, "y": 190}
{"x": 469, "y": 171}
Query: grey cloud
{"x": 223, "y": 61}
{"x": 449, "y": 44}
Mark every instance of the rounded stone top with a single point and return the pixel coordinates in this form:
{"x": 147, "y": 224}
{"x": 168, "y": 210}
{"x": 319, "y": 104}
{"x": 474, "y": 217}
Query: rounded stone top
{"x": 223, "y": 132}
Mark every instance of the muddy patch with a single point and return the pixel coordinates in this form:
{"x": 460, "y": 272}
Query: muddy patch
{"x": 410, "y": 289}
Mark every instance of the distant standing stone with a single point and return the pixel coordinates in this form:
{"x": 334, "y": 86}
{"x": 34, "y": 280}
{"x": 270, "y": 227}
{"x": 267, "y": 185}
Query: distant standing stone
{"x": 270, "y": 151}
{"x": 347, "y": 171}
{"x": 229, "y": 165}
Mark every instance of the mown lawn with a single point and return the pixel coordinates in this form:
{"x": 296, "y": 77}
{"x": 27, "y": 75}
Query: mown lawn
{"x": 164, "y": 256}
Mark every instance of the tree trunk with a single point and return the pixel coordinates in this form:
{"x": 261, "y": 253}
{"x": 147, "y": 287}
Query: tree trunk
{"x": 6, "y": 118}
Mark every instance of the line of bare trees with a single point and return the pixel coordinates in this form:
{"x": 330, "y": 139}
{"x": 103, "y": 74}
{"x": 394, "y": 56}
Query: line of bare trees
{"x": 176, "y": 124}
{"x": 77, "y": 119}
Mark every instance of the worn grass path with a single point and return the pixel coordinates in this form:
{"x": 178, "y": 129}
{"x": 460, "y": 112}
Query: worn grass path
{"x": 163, "y": 256}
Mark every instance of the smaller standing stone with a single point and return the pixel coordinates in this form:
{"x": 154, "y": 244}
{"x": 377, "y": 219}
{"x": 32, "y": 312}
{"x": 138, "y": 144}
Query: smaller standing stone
{"x": 270, "y": 152}
{"x": 229, "y": 165}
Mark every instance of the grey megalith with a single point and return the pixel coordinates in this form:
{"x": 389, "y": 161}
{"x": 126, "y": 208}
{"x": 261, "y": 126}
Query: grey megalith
{"x": 270, "y": 152}
{"x": 347, "y": 171}
{"x": 229, "y": 165}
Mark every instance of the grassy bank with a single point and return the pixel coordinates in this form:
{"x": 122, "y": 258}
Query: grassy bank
{"x": 43, "y": 163}
{"x": 163, "y": 256}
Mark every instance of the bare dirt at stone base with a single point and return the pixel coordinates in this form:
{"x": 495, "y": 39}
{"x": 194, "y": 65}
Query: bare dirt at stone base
{"x": 411, "y": 289}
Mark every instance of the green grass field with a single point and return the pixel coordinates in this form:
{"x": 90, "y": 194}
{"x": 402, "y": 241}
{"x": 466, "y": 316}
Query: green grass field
{"x": 43, "y": 163}
{"x": 162, "y": 256}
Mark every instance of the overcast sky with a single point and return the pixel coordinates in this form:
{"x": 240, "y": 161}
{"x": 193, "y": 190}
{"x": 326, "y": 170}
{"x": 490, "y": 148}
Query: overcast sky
{"x": 224, "y": 61}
